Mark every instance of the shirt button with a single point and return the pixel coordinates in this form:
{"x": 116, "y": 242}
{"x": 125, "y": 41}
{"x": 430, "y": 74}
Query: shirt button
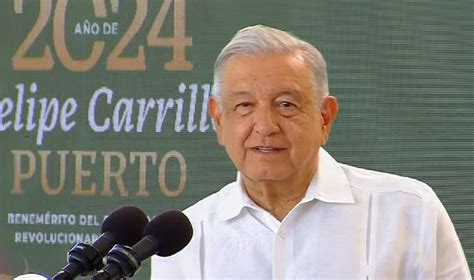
{"x": 282, "y": 234}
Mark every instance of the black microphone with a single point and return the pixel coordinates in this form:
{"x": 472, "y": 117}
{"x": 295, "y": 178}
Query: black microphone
{"x": 165, "y": 235}
{"x": 124, "y": 226}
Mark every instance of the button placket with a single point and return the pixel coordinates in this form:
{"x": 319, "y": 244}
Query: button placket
{"x": 282, "y": 234}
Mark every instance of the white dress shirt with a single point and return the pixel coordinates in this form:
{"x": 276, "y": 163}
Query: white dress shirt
{"x": 351, "y": 224}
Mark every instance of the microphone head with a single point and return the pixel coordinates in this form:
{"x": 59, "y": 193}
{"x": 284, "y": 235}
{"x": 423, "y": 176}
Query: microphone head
{"x": 173, "y": 231}
{"x": 127, "y": 225}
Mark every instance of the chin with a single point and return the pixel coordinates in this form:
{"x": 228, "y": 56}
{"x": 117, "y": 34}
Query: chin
{"x": 266, "y": 176}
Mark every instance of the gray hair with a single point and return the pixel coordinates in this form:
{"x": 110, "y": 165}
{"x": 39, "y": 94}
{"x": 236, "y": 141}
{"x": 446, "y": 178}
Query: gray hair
{"x": 260, "y": 40}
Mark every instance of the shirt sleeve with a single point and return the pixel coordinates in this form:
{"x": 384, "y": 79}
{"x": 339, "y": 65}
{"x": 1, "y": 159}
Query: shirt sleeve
{"x": 441, "y": 254}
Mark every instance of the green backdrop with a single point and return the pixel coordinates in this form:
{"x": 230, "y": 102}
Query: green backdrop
{"x": 103, "y": 104}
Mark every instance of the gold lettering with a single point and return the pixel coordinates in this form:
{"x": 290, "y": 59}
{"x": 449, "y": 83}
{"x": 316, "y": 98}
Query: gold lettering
{"x": 18, "y": 175}
{"x": 179, "y": 41}
{"x": 60, "y": 41}
{"x": 116, "y": 61}
{"x": 99, "y": 8}
{"x": 80, "y": 173}
{"x": 44, "y": 170}
{"x": 162, "y": 172}
{"x": 142, "y": 156}
{"x": 108, "y": 174}
{"x": 20, "y": 60}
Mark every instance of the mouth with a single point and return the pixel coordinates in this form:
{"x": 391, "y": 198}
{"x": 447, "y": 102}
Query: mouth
{"x": 267, "y": 150}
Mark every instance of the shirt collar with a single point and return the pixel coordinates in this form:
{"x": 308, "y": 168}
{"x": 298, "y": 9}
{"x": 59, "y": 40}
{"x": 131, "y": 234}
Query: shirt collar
{"x": 233, "y": 199}
{"x": 329, "y": 184}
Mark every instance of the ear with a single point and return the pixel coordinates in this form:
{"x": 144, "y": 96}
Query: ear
{"x": 328, "y": 113}
{"x": 216, "y": 114}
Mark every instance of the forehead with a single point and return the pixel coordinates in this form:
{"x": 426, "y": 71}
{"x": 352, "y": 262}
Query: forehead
{"x": 268, "y": 73}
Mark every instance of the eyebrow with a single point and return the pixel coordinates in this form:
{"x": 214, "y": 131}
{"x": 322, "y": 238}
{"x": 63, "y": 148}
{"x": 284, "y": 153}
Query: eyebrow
{"x": 293, "y": 93}
{"x": 238, "y": 94}
{"x": 289, "y": 92}
{"x": 235, "y": 95}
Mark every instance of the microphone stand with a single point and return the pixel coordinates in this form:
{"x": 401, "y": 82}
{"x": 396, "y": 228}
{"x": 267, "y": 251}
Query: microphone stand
{"x": 82, "y": 257}
{"x": 122, "y": 261}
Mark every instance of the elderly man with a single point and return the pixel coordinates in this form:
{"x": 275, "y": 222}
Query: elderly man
{"x": 293, "y": 211}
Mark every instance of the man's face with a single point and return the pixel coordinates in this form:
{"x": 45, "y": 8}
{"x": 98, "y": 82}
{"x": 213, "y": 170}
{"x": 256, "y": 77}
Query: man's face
{"x": 268, "y": 121}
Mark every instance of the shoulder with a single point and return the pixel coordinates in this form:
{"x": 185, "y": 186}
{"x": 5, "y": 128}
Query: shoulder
{"x": 199, "y": 213}
{"x": 401, "y": 205}
{"x": 376, "y": 182}
{"x": 208, "y": 207}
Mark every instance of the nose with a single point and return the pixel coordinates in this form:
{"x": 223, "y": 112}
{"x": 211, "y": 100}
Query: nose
{"x": 266, "y": 122}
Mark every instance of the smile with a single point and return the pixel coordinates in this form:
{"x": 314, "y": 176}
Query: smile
{"x": 267, "y": 149}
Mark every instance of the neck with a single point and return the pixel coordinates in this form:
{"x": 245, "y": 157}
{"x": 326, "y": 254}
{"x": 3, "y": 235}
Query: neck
{"x": 278, "y": 197}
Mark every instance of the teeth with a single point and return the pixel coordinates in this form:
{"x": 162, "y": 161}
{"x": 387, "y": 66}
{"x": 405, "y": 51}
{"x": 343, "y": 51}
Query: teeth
{"x": 265, "y": 150}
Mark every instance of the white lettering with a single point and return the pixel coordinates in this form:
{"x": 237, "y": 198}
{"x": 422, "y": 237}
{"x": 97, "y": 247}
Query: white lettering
{"x": 92, "y": 106}
{"x": 123, "y": 115}
{"x": 6, "y": 107}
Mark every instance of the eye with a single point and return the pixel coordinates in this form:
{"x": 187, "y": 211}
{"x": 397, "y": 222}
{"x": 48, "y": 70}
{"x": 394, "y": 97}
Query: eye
{"x": 243, "y": 108}
{"x": 286, "y": 104}
{"x": 287, "y": 108}
{"x": 243, "y": 104}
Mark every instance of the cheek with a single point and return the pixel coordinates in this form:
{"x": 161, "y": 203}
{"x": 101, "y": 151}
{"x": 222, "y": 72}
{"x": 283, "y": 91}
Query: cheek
{"x": 235, "y": 132}
{"x": 305, "y": 136}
